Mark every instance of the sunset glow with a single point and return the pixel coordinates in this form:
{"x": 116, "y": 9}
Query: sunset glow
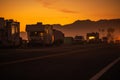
{"x": 58, "y": 11}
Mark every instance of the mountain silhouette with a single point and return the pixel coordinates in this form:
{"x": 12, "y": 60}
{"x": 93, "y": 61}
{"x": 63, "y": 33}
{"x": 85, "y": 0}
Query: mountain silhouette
{"x": 81, "y": 27}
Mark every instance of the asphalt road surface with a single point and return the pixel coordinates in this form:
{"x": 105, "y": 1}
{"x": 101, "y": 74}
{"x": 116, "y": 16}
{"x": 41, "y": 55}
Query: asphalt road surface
{"x": 79, "y": 62}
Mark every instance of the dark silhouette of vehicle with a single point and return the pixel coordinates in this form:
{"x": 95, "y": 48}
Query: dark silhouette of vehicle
{"x": 93, "y": 37}
{"x": 9, "y": 33}
{"x": 39, "y": 34}
{"x": 79, "y": 40}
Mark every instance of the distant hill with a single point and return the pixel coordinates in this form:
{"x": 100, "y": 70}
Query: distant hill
{"x": 81, "y": 27}
{"x": 23, "y": 35}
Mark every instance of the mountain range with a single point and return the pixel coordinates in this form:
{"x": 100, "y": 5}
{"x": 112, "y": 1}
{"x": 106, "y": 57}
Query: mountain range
{"x": 81, "y": 27}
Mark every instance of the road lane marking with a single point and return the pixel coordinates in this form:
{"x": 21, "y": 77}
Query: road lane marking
{"x": 41, "y": 57}
{"x": 105, "y": 69}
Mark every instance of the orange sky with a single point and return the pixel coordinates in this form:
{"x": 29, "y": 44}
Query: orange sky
{"x": 58, "y": 11}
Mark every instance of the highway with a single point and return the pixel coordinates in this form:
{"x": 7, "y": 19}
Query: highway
{"x": 78, "y": 62}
